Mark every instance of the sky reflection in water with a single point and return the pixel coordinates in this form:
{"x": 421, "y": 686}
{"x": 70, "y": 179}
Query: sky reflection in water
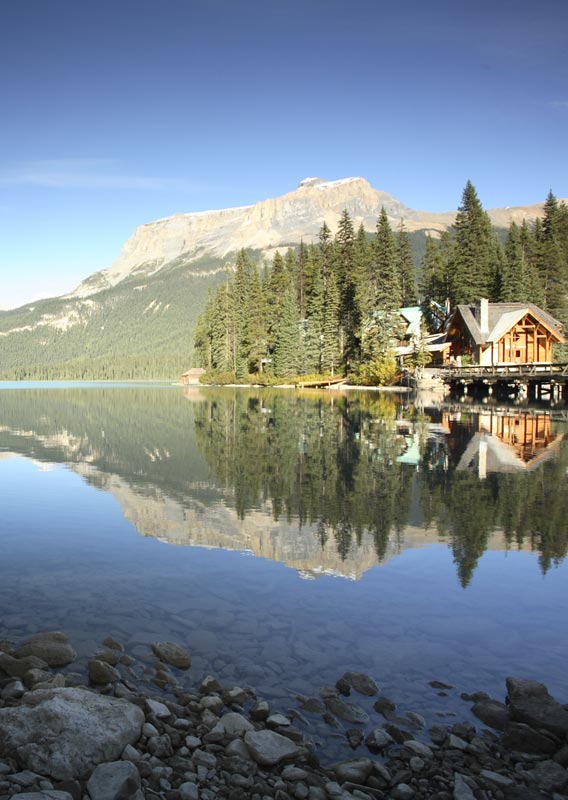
{"x": 412, "y": 546}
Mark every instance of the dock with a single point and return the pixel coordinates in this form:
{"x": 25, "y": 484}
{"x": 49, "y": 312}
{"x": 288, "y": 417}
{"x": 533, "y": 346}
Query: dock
{"x": 320, "y": 384}
{"x": 537, "y": 381}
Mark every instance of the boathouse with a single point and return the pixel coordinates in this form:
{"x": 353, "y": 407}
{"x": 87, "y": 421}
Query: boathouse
{"x": 191, "y": 377}
{"x": 489, "y": 334}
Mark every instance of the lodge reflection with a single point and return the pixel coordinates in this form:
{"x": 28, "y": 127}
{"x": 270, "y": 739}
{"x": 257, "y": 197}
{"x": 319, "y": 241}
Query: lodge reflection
{"x": 328, "y": 484}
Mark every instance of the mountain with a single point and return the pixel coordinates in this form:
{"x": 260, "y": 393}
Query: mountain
{"x": 137, "y": 318}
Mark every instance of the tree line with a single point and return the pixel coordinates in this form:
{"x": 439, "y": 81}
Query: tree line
{"x": 330, "y": 307}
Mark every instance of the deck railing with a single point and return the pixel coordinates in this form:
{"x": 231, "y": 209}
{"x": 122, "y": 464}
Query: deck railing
{"x": 480, "y": 371}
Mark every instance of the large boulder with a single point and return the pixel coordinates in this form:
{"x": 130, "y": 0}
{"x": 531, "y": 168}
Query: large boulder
{"x": 531, "y": 703}
{"x": 65, "y": 733}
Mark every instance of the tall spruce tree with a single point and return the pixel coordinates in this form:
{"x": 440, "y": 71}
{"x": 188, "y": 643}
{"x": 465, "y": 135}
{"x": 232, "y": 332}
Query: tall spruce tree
{"x": 288, "y": 346}
{"x": 406, "y": 269}
{"x": 553, "y": 258}
{"x": 384, "y": 278}
{"x": 474, "y": 252}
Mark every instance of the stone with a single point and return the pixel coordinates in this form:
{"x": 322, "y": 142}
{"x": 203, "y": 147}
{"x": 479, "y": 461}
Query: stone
{"x": 45, "y": 794}
{"x": 378, "y": 740}
{"x": 531, "y": 703}
{"x": 101, "y": 673}
{"x": 192, "y": 742}
{"x": 440, "y": 685}
{"x": 17, "y": 667}
{"x": 237, "y": 748}
{"x": 495, "y": 778}
{"x": 116, "y": 780}
{"x": 384, "y": 705}
{"x": 210, "y": 685}
{"x": 173, "y": 654}
{"x": 492, "y": 713}
{"x": 402, "y": 792}
{"x": 462, "y": 791}
{"x": 159, "y": 710}
{"x": 354, "y": 736}
{"x": 13, "y": 691}
{"x": 362, "y": 683}
{"x": 550, "y": 776}
{"x": 65, "y": 733}
{"x": 456, "y": 742}
{"x": 268, "y": 747}
{"x": 52, "y": 647}
{"x": 130, "y": 753}
{"x": 277, "y": 721}
{"x": 524, "y": 739}
{"x": 291, "y": 773}
{"x": 313, "y": 705}
{"x": 260, "y": 711}
{"x": 522, "y": 793}
{"x": 34, "y": 676}
{"x": 188, "y": 791}
{"x": 234, "y": 724}
{"x": 160, "y": 746}
{"x": 113, "y": 644}
{"x": 111, "y": 657}
{"x": 419, "y": 748}
{"x": 356, "y": 770}
{"x": 348, "y": 712}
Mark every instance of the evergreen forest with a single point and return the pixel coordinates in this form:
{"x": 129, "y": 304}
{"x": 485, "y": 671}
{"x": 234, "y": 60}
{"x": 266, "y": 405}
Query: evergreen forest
{"x": 330, "y": 308}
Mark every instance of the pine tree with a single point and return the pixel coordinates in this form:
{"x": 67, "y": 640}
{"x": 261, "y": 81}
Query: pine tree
{"x": 473, "y": 258}
{"x": 287, "y": 348}
{"x": 553, "y": 258}
{"x": 331, "y": 353}
{"x": 436, "y": 286}
{"x": 405, "y": 265}
{"x": 384, "y": 278}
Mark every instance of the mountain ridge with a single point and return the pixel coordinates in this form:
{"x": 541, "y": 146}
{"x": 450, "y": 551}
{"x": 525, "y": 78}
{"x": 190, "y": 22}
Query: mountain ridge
{"x": 137, "y": 318}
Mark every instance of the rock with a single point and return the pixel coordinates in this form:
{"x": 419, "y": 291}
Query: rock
{"x": 438, "y": 734}
{"x": 418, "y": 748}
{"x": 313, "y": 705}
{"x": 524, "y": 739}
{"x": 561, "y": 756}
{"x": 52, "y": 647}
{"x": 492, "y": 713}
{"x": 160, "y": 746}
{"x": 130, "y": 753}
{"x": 117, "y": 780}
{"x": 496, "y": 778}
{"x": 172, "y": 654}
{"x": 17, "y": 667}
{"x": 402, "y": 792}
{"x": 522, "y": 793}
{"x": 268, "y": 747}
{"x": 531, "y": 703}
{"x": 159, "y": 710}
{"x": 456, "y": 743}
{"x": 13, "y": 691}
{"x": 355, "y": 771}
{"x": 34, "y": 676}
{"x": 188, "y": 791}
{"x": 277, "y": 721}
{"x": 461, "y": 789}
{"x": 362, "y": 683}
{"x": 65, "y": 733}
{"x": 349, "y": 712}
{"x": 111, "y": 657}
{"x": 384, "y": 705}
{"x": 112, "y": 644}
{"x": 550, "y": 776}
{"x": 343, "y": 687}
{"x": 378, "y": 740}
{"x": 237, "y": 748}
{"x": 291, "y": 773}
{"x": 260, "y": 711}
{"x": 354, "y": 736}
{"x": 234, "y": 724}
{"x": 440, "y": 685}
{"x": 45, "y": 794}
{"x": 210, "y": 685}
{"x": 101, "y": 673}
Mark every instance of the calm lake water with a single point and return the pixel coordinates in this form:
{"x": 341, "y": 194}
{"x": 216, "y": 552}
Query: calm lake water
{"x": 286, "y": 537}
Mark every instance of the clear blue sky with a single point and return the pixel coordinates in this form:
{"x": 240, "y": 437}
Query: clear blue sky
{"x": 117, "y": 113}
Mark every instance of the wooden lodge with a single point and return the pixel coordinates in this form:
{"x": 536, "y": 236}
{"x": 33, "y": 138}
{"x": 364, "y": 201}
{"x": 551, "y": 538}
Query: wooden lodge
{"x": 506, "y": 348}
{"x": 503, "y": 333}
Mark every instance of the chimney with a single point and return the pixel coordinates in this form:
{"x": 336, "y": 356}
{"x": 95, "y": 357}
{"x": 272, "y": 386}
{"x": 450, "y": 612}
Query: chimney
{"x": 484, "y": 315}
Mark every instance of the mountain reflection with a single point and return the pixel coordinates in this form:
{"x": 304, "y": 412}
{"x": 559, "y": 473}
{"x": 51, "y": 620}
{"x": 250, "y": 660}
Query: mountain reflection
{"x": 326, "y": 483}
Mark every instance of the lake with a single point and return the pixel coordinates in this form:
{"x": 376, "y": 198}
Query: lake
{"x": 285, "y": 537}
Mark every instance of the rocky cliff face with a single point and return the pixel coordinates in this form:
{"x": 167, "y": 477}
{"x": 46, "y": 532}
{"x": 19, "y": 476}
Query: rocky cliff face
{"x": 268, "y": 224}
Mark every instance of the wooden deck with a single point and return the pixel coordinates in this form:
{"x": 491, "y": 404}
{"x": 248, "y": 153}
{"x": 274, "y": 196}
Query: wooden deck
{"x": 319, "y": 384}
{"x": 538, "y": 381}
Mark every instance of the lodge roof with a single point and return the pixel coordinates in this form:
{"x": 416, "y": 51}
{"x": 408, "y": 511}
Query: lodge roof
{"x": 502, "y": 317}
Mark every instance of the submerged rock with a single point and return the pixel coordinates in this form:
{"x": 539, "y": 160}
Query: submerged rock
{"x": 173, "y": 654}
{"x": 51, "y": 646}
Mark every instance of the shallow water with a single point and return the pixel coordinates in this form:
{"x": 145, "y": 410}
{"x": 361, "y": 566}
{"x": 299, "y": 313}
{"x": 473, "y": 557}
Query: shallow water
{"x": 285, "y": 537}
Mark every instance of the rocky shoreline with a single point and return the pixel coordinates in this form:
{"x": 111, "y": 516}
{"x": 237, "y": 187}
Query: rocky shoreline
{"x": 121, "y": 729}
